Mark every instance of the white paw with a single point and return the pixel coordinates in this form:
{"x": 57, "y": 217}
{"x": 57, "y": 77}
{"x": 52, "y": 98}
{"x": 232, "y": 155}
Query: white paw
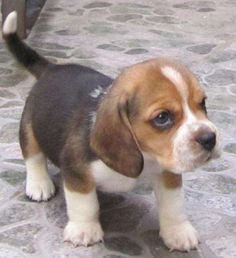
{"x": 40, "y": 190}
{"x": 83, "y": 233}
{"x": 182, "y": 237}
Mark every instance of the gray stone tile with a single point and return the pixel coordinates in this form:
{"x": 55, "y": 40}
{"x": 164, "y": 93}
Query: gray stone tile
{"x": 164, "y": 19}
{"x": 222, "y": 77}
{"x": 6, "y": 252}
{"x": 103, "y": 30}
{"x": 206, "y": 10}
{"x": 134, "y": 5}
{"x": 13, "y": 177}
{"x": 195, "y": 5}
{"x": 136, "y": 51}
{"x": 223, "y": 246}
{"x": 21, "y": 237}
{"x": 164, "y": 11}
{"x": 205, "y": 221}
{"x": 97, "y": 5}
{"x": 218, "y": 184}
{"x": 15, "y": 213}
{"x": 217, "y": 166}
{"x": 4, "y": 93}
{"x": 12, "y": 80}
{"x": 110, "y": 47}
{"x": 51, "y": 46}
{"x": 201, "y": 49}
{"x": 233, "y": 89}
{"x": 168, "y": 34}
{"x": 231, "y": 148}
{"x": 9, "y": 133}
{"x": 223, "y": 56}
{"x": 122, "y": 244}
{"x": 15, "y": 161}
{"x": 12, "y": 103}
{"x": 124, "y": 17}
{"x": 230, "y": 225}
{"x": 12, "y": 113}
{"x": 122, "y": 9}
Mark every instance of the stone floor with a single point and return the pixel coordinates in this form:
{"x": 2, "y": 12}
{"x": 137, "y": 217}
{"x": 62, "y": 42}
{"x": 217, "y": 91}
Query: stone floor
{"x": 109, "y": 35}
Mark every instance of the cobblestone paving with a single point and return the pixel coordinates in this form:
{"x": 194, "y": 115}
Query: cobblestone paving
{"x": 109, "y": 35}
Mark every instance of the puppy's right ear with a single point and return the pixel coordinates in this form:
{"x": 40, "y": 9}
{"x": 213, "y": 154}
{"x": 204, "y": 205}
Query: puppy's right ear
{"x": 112, "y": 137}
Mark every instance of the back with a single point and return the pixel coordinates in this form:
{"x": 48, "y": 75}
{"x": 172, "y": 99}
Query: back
{"x": 61, "y": 92}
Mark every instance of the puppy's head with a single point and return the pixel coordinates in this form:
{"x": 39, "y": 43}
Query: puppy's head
{"x": 155, "y": 107}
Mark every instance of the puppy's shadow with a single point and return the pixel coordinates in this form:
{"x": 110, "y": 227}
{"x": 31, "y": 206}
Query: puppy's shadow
{"x": 129, "y": 220}
{"x": 119, "y": 212}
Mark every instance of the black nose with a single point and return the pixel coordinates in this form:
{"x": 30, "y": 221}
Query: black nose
{"x": 207, "y": 140}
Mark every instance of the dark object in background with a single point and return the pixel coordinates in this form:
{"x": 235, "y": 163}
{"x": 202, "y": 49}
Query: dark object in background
{"x": 33, "y": 8}
{"x": 27, "y": 10}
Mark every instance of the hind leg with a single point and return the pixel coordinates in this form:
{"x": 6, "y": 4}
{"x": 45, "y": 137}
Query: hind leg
{"x": 39, "y": 186}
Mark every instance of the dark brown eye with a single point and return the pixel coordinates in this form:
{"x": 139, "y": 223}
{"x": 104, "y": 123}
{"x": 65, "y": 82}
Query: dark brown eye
{"x": 163, "y": 120}
{"x": 203, "y": 105}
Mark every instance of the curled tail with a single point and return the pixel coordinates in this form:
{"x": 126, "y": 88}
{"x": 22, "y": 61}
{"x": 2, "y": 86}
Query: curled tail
{"x": 25, "y": 55}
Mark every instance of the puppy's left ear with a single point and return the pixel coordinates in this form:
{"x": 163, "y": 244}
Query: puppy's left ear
{"x": 113, "y": 139}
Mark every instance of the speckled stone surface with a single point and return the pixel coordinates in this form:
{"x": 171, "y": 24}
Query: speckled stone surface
{"x": 108, "y": 36}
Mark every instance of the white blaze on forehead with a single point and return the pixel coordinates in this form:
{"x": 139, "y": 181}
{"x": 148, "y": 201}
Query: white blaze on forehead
{"x": 177, "y": 79}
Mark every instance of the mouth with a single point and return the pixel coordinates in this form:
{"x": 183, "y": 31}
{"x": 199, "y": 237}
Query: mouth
{"x": 202, "y": 159}
{"x": 216, "y": 153}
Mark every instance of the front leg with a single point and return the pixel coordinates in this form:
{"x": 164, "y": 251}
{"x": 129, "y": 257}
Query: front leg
{"x": 175, "y": 229}
{"x": 83, "y": 227}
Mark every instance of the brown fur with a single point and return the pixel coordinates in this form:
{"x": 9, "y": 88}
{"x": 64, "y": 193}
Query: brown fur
{"x": 28, "y": 142}
{"x": 74, "y": 160}
{"x": 171, "y": 181}
{"x": 78, "y": 182}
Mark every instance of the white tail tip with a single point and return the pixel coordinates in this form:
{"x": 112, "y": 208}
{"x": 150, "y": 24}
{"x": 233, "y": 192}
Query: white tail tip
{"x": 10, "y": 24}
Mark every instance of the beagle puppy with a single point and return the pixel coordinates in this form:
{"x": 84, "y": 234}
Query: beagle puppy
{"x": 100, "y": 132}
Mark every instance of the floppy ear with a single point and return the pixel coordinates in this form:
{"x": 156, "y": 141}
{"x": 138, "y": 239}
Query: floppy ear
{"x": 112, "y": 137}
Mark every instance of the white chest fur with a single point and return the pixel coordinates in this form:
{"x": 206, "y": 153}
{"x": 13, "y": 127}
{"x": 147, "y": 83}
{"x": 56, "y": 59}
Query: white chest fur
{"x": 109, "y": 180}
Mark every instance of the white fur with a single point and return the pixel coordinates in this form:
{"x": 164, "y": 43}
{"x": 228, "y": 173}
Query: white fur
{"x": 10, "y": 24}
{"x": 39, "y": 186}
{"x": 109, "y": 180}
{"x": 176, "y": 78}
{"x": 93, "y": 116}
{"x": 175, "y": 229}
{"x": 83, "y": 233}
{"x": 182, "y": 237}
{"x": 96, "y": 92}
{"x": 83, "y": 227}
{"x": 188, "y": 154}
